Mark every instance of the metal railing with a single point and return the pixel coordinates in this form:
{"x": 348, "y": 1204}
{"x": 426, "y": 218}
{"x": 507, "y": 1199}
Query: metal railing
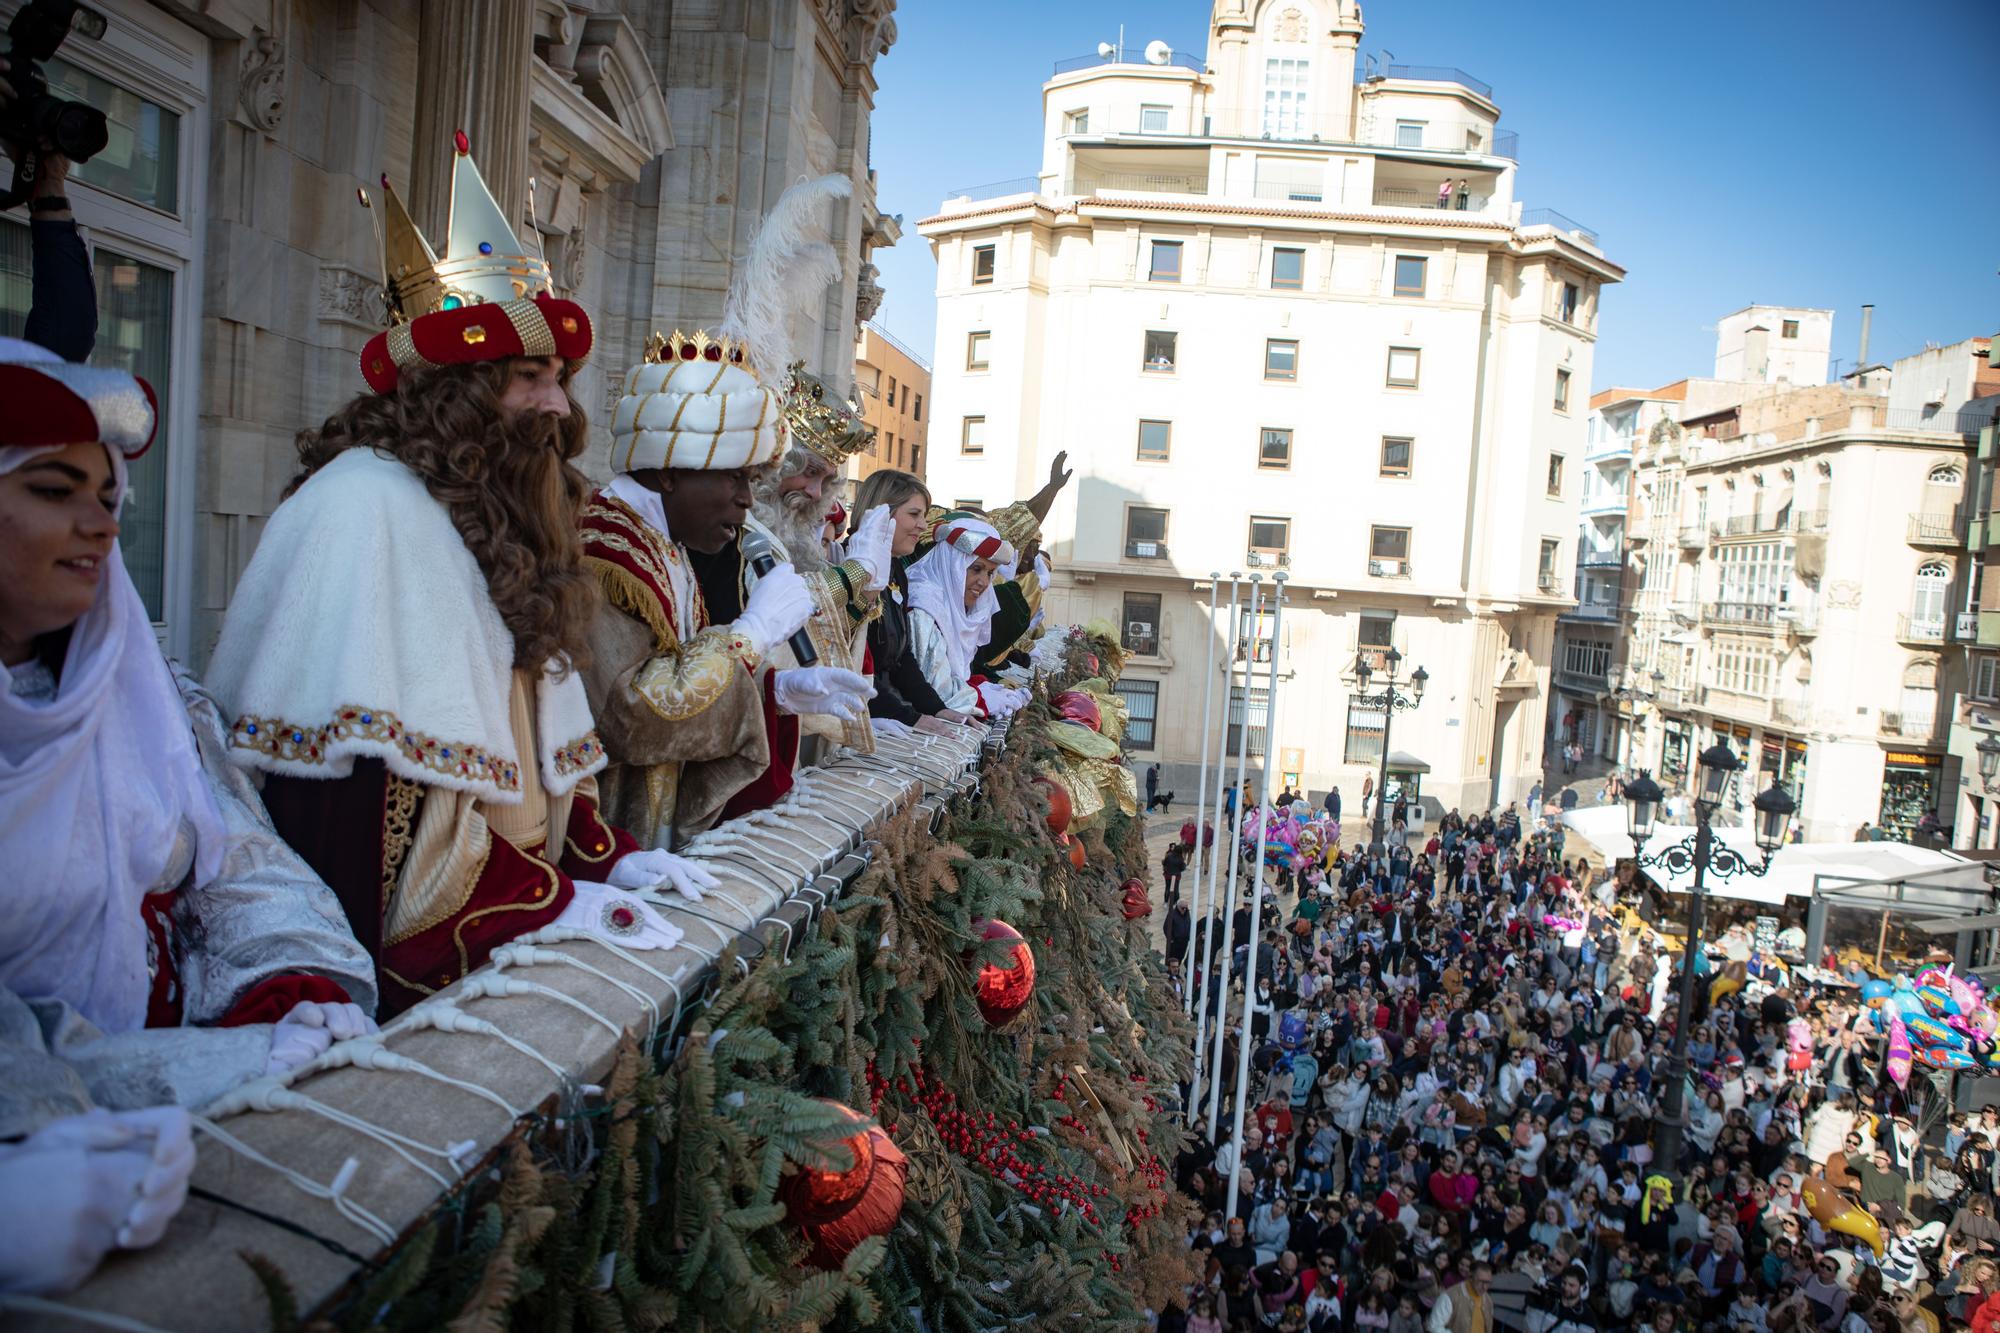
{"x": 1388, "y": 569}
{"x": 1135, "y": 55}
{"x": 1594, "y": 611}
{"x": 1548, "y": 217}
{"x": 998, "y": 189}
{"x": 1965, "y": 421}
{"x": 1936, "y": 529}
{"x": 1427, "y": 74}
{"x": 1145, "y": 550}
{"x": 1550, "y": 582}
{"x": 1910, "y": 629}
{"x": 1466, "y": 138}
{"x": 1741, "y": 613}
{"x": 897, "y": 343}
{"x": 1908, "y": 726}
{"x": 1155, "y": 182}
{"x": 1610, "y": 559}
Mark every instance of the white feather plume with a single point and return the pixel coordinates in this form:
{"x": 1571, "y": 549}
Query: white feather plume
{"x": 787, "y": 268}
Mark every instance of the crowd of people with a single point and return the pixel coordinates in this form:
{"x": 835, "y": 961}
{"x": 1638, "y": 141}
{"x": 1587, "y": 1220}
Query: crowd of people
{"x": 461, "y": 696}
{"x": 1459, "y": 1055}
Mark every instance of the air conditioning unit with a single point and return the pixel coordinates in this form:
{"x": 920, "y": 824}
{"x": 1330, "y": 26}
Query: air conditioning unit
{"x": 1146, "y": 550}
{"x": 1254, "y": 559}
{"x": 1388, "y": 569}
{"x": 1138, "y": 629}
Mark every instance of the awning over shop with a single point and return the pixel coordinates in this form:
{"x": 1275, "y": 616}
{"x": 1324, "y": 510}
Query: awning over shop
{"x": 1402, "y": 761}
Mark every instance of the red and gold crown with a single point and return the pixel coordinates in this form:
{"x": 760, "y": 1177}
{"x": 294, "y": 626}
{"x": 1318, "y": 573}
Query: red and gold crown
{"x": 485, "y": 299}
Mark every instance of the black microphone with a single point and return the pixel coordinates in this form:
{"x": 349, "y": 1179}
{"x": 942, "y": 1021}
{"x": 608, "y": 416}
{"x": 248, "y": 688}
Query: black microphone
{"x": 757, "y": 549}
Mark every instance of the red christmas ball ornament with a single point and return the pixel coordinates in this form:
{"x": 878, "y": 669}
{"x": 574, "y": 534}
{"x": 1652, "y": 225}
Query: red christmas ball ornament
{"x": 1077, "y": 856}
{"x": 1060, "y": 808}
{"x": 1137, "y": 904}
{"x": 1079, "y": 707}
{"x": 872, "y": 1213}
{"x": 811, "y": 1195}
{"x": 1003, "y": 991}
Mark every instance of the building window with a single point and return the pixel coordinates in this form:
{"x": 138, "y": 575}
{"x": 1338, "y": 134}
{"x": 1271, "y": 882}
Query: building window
{"x": 975, "y": 351}
{"x": 1274, "y": 449}
{"x": 1410, "y": 275}
{"x": 889, "y": 440}
{"x": 1270, "y": 536}
{"x": 1153, "y": 119}
{"x": 1587, "y": 657}
{"x": 1281, "y": 359}
{"x": 1986, "y": 678}
{"x": 917, "y": 412}
{"x": 1396, "y": 455}
{"x": 982, "y": 263}
{"x": 1155, "y": 441}
{"x": 1286, "y": 84}
{"x": 1555, "y": 474}
{"x": 1375, "y": 635}
{"x": 1145, "y": 533}
{"x": 1253, "y": 707}
{"x": 1404, "y": 363}
{"x": 1790, "y": 329}
{"x": 917, "y": 459}
{"x": 1077, "y": 122}
{"x": 1928, "y": 600}
{"x": 1140, "y": 629}
{"x": 1389, "y": 552}
{"x": 1161, "y": 346}
{"x": 1166, "y": 266}
{"x": 1364, "y": 735}
{"x": 1562, "y": 389}
{"x": 1545, "y": 571}
{"x": 1288, "y": 269}
{"x": 1567, "y": 308}
{"x": 972, "y": 436}
{"x": 906, "y": 396}
{"x": 1410, "y": 133}
{"x": 1142, "y": 711}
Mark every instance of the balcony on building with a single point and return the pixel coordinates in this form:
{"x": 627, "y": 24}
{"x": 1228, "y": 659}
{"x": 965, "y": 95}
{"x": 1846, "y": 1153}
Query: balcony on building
{"x": 1601, "y": 557}
{"x": 1604, "y": 500}
{"x": 1916, "y": 629}
{"x": 1595, "y": 612}
{"x": 1741, "y": 613}
{"x": 1909, "y": 726}
{"x": 1936, "y": 530}
{"x": 1791, "y": 712}
{"x": 1694, "y": 537}
{"x": 1608, "y": 447}
{"x": 1678, "y": 696}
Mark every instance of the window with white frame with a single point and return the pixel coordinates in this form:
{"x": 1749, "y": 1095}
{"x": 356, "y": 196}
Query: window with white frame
{"x": 1153, "y": 119}
{"x": 1410, "y": 133}
{"x": 1986, "y": 678}
{"x": 1586, "y": 657}
{"x": 1077, "y": 122}
{"x": 1287, "y": 95}
{"x": 1404, "y": 363}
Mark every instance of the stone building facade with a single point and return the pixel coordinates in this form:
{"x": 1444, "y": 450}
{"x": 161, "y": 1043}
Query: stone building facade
{"x": 237, "y": 271}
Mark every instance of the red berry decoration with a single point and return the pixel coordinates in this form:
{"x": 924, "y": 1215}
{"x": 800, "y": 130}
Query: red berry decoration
{"x": 1080, "y": 707}
{"x": 1137, "y": 904}
{"x": 872, "y": 1213}
{"x": 1060, "y": 808}
{"x": 811, "y": 1195}
{"x": 1077, "y": 856}
{"x": 1004, "y": 991}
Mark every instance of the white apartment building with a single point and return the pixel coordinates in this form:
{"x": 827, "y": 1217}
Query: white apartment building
{"x": 1770, "y": 344}
{"x": 1801, "y": 566}
{"x": 1231, "y": 293}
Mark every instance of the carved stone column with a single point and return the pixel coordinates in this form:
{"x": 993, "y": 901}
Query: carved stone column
{"x": 473, "y": 60}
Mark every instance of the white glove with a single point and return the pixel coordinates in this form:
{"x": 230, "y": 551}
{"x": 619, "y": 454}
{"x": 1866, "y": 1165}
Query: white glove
{"x": 889, "y": 726}
{"x": 299, "y": 1037}
{"x": 779, "y": 604}
{"x": 870, "y": 545}
{"x": 822, "y": 689}
{"x": 1001, "y": 701}
{"x": 624, "y": 919}
{"x": 1043, "y": 573}
{"x": 85, "y": 1184}
{"x": 656, "y": 868}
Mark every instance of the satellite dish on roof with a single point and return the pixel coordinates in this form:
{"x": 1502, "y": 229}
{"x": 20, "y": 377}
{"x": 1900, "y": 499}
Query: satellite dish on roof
{"x": 1158, "y": 52}
{"x": 1106, "y": 50}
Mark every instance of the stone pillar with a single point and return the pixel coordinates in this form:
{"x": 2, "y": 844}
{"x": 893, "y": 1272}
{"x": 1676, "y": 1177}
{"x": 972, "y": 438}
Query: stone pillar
{"x": 473, "y": 59}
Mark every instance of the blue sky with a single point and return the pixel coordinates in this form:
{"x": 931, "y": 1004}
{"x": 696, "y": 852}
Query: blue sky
{"x": 1780, "y": 151}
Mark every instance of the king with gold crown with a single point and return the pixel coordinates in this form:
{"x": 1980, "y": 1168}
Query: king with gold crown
{"x": 401, "y": 661}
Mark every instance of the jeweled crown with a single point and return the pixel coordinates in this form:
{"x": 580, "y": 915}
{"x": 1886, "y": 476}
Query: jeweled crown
{"x": 701, "y": 345}
{"x": 830, "y": 428}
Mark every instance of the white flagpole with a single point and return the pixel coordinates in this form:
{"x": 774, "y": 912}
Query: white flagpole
{"x": 1205, "y": 820}
{"x": 1231, "y": 853}
{"x": 1201, "y": 800}
{"x": 1257, "y": 872}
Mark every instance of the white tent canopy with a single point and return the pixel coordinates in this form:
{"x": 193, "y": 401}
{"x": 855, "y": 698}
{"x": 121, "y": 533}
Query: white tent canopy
{"x": 1794, "y": 870}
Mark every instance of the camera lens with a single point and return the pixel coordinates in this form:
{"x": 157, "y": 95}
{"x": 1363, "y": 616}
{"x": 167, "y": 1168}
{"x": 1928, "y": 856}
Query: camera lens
{"x": 79, "y": 132}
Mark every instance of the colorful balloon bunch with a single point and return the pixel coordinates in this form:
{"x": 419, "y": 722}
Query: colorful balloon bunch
{"x": 1941, "y": 1020}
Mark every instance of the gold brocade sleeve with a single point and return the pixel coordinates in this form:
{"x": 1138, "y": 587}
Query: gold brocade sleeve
{"x": 691, "y": 678}
{"x": 656, "y": 705}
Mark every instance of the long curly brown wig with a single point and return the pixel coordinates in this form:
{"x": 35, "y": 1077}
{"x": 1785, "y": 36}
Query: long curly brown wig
{"x": 506, "y": 479}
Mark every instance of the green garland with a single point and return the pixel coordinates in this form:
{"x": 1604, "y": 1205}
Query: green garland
{"x": 658, "y": 1207}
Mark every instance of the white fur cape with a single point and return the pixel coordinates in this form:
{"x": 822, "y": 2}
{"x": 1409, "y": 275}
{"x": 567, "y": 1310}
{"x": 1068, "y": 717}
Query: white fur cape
{"x": 363, "y": 627}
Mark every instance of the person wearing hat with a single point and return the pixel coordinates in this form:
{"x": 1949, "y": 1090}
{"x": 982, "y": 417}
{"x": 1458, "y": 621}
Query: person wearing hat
{"x": 698, "y": 696}
{"x": 159, "y": 944}
{"x": 400, "y": 659}
{"x": 952, "y": 602}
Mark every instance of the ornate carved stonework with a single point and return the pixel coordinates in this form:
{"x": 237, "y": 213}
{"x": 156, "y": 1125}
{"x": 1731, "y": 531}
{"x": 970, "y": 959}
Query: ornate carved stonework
{"x": 348, "y": 296}
{"x": 866, "y": 28}
{"x": 1843, "y": 594}
{"x": 570, "y": 274}
{"x": 261, "y": 93}
{"x": 868, "y": 294}
{"x": 1291, "y": 27}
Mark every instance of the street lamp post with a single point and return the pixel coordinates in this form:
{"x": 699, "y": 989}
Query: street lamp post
{"x": 1715, "y": 770}
{"x": 1988, "y": 751}
{"x": 1393, "y": 699}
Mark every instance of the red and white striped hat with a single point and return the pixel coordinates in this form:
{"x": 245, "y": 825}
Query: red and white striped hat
{"x": 976, "y": 537}
{"x": 52, "y": 403}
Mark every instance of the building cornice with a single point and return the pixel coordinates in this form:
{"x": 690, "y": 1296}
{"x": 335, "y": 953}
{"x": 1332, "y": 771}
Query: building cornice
{"x": 1934, "y": 441}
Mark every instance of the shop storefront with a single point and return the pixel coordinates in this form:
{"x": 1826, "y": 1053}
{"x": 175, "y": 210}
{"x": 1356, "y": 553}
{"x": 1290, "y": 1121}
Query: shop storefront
{"x": 1793, "y": 775}
{"x": 1909, "y": 791}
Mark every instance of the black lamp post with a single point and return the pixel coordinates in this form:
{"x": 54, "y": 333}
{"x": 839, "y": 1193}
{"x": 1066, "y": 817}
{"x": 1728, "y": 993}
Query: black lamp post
{"x": 1988, "y": 751}
{"x": 1396, "y": 696}
{"x": 1716, "y": 768}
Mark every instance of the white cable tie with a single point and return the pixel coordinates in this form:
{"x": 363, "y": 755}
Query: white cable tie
{"x": 346, "y": 1207}
{"x": 527, "y": 955}
{"x": 499, "y": 986}
{"x": 570, "y": 935}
